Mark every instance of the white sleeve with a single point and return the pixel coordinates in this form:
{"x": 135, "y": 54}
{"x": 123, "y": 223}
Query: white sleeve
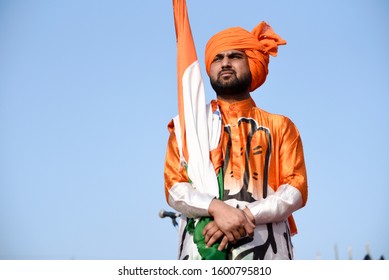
{"x": 189, "y": 201}
{"x": 277, "y": 206}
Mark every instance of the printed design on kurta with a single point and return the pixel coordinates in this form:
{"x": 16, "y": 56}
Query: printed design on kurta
{"x": 253, "y": 150}
{"x": 186, "y": 257}
{"x": 288, "y": 242}
{"x": 257, "y": 151}
{"x": 258, "y": 252}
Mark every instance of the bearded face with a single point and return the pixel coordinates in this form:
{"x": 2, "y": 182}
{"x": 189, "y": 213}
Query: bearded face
{"x": 231, "y": 86}
{"x": 230, "y": 74}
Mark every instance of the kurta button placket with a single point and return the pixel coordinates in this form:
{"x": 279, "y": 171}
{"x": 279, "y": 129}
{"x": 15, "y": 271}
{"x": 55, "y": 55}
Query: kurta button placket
{"x": 233, "y": 115}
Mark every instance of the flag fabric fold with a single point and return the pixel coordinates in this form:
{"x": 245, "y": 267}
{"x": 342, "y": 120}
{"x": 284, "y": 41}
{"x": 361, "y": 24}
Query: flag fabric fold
{"x": 192, "y": 108}
{"x": 199, "y": 128}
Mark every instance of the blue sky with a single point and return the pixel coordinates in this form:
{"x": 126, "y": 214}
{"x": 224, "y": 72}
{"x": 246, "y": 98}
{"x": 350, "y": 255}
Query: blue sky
{"x": 87, "y": 89}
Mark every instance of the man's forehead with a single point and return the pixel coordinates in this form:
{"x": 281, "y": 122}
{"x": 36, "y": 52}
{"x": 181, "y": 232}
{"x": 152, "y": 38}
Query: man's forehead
{"x": 229, "y": 52}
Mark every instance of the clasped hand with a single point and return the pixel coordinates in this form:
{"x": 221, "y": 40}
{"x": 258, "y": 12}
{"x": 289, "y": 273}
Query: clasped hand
{"x": 229, "y": 225}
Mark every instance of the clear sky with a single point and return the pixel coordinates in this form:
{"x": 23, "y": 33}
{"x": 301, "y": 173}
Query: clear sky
{"x": 87, "y": 89}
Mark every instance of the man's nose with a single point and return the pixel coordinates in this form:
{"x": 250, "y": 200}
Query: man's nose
{"x": 226, "y": 62}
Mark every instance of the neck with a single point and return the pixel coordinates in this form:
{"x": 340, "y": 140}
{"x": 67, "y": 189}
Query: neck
{"x": 233, "y": 98}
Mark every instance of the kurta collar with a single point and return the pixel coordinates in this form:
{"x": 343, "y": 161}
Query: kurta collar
{"x": 243, "y": 105}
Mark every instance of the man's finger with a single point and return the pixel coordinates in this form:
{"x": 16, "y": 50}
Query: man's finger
{"x": 249, "y": 228}
{"x": 237, "y": 235}
{"x": 208, "y": 227}
{"x": 209, "y": 232}
{"x": 230, "y": 236}
{"x": 242, "y": 232}
{"x": 223, "y": 243}
{"x": 214, "y": 238}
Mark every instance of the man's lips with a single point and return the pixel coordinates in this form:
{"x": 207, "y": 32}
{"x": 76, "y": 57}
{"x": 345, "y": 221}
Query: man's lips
{"x": 225, "y": 73}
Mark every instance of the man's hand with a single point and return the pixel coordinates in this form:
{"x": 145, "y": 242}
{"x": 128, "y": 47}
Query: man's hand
{"x": 212, "y": 234}
{"x": 230, "y": 223}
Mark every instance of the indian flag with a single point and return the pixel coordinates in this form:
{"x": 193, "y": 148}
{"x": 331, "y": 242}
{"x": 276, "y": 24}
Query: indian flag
{"x": 200, "y": 129}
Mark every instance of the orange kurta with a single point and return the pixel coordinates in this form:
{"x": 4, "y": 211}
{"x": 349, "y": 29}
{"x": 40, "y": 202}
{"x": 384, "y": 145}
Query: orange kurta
{"x": 258, "y": 152}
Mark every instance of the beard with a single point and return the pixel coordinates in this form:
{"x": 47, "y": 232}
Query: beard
{"x": 232, "y": 86}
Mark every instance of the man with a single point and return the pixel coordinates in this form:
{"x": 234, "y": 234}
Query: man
{"x": 259, "y": 159}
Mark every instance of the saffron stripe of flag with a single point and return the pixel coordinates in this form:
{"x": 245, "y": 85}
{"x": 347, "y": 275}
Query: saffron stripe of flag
{"x": 191, "y": 106}
{"x": 186, "y": 55}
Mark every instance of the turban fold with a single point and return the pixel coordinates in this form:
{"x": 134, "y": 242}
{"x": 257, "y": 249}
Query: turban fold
{"x": 258, "y": 44}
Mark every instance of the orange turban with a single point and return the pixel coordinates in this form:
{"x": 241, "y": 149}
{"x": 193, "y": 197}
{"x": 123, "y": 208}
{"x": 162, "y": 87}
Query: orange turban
{"x": 257, "y": 45}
